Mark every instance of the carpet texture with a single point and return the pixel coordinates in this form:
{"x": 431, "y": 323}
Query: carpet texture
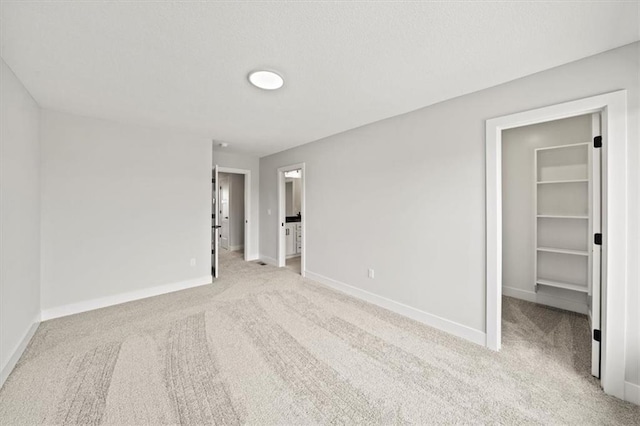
{"x": 264, "y": 346}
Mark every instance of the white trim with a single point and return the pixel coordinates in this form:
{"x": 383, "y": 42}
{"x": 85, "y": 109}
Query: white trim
{"x": 459, "y": 330}
{"x": 545, "y": 299}
{"x": 281, "y": 249}
{"x": 632, "y": 393}
{"x": 236, "y": 248}
{"x": 269, "y": 260}
{"x": 613, "y": 107}
{"x": 116, "y": 299}
{"x": 19, "y": 350}
{"x": 247, "y": 206}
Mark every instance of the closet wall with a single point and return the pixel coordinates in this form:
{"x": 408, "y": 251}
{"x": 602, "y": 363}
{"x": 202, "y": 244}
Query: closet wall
{"x": 518, "y": 209}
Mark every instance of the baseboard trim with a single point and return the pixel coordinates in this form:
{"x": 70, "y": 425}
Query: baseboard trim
{"x": 236, "y": 248}
{"x": 269, "y": 260}
{"x": 431, "y": 320}
{"x": 117, "y": 299}
{"x": 18, "y": 351}
{"x": 632, "y": 393}
{"x": 555, "y": 302}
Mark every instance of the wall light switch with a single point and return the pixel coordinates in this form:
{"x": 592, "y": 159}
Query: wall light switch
{"x": 193, "y": 262}
{"x": 371, "y": 273}
{"x": 269, "y": 212}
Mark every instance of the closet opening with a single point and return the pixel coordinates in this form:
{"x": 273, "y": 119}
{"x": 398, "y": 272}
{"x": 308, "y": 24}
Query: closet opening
{"x": 551, "y": 257}
{"x": 559, "y": 221}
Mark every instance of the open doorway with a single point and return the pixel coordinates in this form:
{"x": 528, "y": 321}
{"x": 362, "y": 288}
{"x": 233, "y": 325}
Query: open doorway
{"x": 232, "y": 214}
{"x": 292, "y": 218}
{"x": 612, "y": 140}
{"x": 230, "y": 224}
{"x": 550, "y": 261}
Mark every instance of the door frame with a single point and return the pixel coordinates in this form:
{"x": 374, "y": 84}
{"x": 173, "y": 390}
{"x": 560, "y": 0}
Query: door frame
{"x": 281, "y": 249}
{"x": 247, "y": 203}
{"x": 613, "y": 107}
{"x": 215, "y": 243}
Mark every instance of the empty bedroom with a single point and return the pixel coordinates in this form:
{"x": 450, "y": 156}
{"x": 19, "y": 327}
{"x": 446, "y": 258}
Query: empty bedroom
{"x": 319, "y": 212}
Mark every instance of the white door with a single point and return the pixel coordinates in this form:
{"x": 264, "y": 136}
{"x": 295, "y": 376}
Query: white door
{"x": 596, "y": 249}
{"x": 214, "y": 223}
{"x": 224, "y": 211}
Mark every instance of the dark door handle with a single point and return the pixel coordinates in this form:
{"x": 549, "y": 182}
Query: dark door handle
{"x": 216, "y": 226}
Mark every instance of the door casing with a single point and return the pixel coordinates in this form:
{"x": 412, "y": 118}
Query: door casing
{"x": 613, "y": 109}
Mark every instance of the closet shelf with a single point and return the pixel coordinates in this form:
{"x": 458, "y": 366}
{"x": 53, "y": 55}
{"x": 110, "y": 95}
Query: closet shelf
{"x": 563, "y": 181}
{"x": 563, "y": 251}
{"x": 555, "y": 216}
{"x": 568, "y": 146}
{"x": 560, "y": 284}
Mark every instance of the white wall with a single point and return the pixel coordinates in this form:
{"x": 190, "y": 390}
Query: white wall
{"x": 236, "y": 210}
{"x": 406, "y": 195}
{"x": 246, "y": 162}
{"x": 288, "y": 197}
{"x": 124, "y": 209}
{"x": 518, "y": 239}
{"x": 293, "y": 196}
{"x": 19, "y": 217}
{"x": 297, "y": 196}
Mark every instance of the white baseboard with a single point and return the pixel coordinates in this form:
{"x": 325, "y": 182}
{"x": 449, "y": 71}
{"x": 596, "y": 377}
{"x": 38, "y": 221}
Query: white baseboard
{"x": 468, "y": 333}
{"x": 632, "y": 392}
{"x": 269, "y": 260}
{"x": 116, "y": 299}
{"x": 236, "y": 248}
{"x": 556, "y": 302}
{"x": 18, "y": 351}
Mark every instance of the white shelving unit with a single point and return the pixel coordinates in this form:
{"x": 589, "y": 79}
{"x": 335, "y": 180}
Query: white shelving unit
{"x": 562, "y": 223}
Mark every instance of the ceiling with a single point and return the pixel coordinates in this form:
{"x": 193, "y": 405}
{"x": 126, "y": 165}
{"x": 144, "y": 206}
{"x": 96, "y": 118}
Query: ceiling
{"x": 184, "y": 65}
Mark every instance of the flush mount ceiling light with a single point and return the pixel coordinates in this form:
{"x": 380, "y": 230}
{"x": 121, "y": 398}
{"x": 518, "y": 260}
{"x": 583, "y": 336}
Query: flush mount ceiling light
{"x": 267, "y": 80}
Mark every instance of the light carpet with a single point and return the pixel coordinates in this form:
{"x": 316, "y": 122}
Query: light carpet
{"x": 262, "y": 345}
{"x": 294, "y": 264}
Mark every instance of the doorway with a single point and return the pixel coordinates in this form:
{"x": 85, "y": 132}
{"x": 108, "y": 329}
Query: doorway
{"x": 292, "y": 218}
{"x": 232, "y": 212}
{"x": 611, "y": 337}
{"x": 231, "y": 195}
{"x": 550, "y": 264}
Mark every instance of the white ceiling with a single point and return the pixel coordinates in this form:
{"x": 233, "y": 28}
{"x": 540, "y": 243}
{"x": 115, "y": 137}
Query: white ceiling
{"x": 184, "y": 64}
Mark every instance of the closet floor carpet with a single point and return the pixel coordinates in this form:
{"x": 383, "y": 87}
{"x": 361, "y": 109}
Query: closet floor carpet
{"x": 262, "y": 345}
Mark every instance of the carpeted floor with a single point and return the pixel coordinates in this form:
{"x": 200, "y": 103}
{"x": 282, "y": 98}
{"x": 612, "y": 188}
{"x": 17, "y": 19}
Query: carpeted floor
{"x": 295, "y": 264}
{"x": 264, "y": 346}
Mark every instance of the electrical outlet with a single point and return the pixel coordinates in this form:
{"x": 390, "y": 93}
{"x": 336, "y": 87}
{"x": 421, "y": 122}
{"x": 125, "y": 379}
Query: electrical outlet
{"x": 371, "y": 273}
{"x": 192, "y": 262}
{"x": 269, "y": 212}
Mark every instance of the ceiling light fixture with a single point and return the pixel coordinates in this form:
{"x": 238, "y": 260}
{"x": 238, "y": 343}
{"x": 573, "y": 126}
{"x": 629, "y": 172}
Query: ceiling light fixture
{"x": 266, "y": 80}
